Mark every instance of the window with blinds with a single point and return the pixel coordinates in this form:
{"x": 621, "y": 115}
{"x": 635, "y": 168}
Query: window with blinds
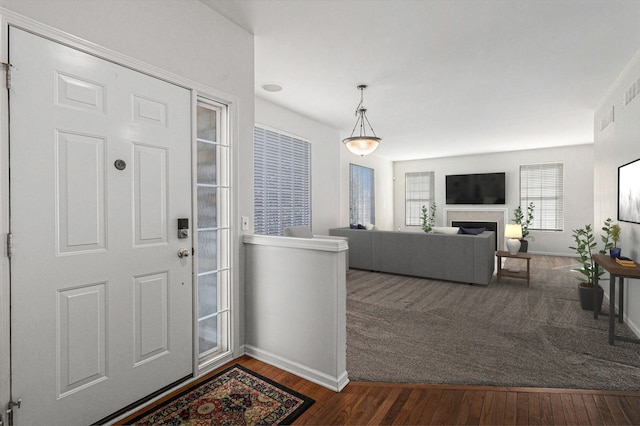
{"x": 362, "y": 198}
{"x": 282, "y": 182}
{"x": 418, "y": 192}
{"x": 543, "y": 184}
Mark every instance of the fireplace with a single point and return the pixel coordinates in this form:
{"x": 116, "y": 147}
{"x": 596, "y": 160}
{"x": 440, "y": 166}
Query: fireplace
{"x": 489, "y": 226}
{"x": 478, "y": 217}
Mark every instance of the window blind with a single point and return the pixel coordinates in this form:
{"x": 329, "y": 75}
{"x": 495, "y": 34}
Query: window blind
{"x": 362, "y": 198}
{"x": 419, "y": 191}
{"x": 282, "y": 182}
{"x": 543, "y": 184}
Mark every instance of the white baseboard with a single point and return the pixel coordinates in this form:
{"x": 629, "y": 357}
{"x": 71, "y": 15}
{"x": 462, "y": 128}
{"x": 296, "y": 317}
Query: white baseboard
{"x": 334, "y": 383}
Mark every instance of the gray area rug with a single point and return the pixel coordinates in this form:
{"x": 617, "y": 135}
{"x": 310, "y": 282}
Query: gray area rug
{"x": 411, "y": 330}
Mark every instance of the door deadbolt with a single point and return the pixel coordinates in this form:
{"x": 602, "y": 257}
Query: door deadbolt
{"x": 183, "y": 228}
{"x": 183, "y": 252}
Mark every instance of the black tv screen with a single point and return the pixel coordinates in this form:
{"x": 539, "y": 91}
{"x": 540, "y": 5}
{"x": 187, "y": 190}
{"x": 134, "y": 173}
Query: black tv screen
{"x": 481, "y": 188}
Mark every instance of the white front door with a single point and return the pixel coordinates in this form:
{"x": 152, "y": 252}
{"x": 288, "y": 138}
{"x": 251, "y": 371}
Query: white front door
{"x": 100, "y": 169}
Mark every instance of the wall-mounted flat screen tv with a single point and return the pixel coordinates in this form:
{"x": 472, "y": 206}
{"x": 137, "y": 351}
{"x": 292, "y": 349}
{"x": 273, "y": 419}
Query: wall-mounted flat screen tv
{"x": 480, "y": 188}
{"x": 629, "y": 192}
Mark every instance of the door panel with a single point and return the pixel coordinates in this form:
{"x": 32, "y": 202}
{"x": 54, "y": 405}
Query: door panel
{"x": 81, "y": 201}
{"x": 82, "y": 337}
{"x": 151, "y": 321}
{"x": 100, "y": 172}
{"x": 150, "y": 194}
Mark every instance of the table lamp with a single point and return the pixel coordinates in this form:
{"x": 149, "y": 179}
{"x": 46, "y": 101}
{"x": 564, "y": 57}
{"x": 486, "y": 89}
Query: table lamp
{"x": 513, "y": 232}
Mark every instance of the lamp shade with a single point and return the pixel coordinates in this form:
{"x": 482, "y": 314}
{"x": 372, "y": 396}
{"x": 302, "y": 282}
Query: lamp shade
{"x": 362, "y": 145}
{"x": 513, "y": 231}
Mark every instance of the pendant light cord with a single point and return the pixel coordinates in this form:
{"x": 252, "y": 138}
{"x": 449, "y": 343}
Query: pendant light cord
{"x": 362, "y": 116}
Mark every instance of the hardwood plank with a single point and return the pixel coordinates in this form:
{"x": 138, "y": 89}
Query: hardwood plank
{"x": 499, "y": 404}
{"x": 592, "y": 410}
{"x": 631, "y": 407}
{"x": 399, "y": 402}
{"x": 603, "y": 408}
{"x": 385, "y": 401}
{"x": 534, "y": 409}
{"x": 464, "y": 409}
{"x": 568, "y": 409}
{"x": 522, "y": 409}
{"x": 454, "y": 407}
{"x": 441, "y": 411}
{"x": 370, "y": 406}
{"x": 355, "y": 410}
{"x": 546, "y": 411}
{"x": 408, "y": 407}
{"x": 487, "y": 408}
{"x": 429, "y": 400}
{"x": 511, "y": 408}
{"x": 557, "y": 409}
{"x": 335, "y": 409}
{"x": 582, "y": 417}
{"x": 616, "y": 410}
{"x": 476, "y": 407}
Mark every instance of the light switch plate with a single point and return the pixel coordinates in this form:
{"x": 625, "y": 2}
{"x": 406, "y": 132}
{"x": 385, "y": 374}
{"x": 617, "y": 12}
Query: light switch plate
{"x": 245, "y": 223}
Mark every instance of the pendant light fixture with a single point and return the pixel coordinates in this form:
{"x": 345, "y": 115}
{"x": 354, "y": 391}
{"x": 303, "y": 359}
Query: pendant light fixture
{"x": 362, "y": 144}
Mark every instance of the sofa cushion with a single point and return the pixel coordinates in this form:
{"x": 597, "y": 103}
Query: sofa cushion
{"x": 445, "y": 229}
{"x": 471, "y": 231}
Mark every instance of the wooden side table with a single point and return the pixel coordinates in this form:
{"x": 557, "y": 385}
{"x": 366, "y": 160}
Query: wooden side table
{"x": 620, "y": 272}
{"x": 525, "y": 275}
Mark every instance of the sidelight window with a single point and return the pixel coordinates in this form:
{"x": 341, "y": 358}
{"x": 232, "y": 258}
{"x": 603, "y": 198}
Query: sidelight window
{"x": 213, "y": 240}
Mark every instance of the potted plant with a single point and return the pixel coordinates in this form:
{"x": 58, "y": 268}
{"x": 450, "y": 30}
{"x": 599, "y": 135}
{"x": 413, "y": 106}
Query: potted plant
{"x": 524, "y": 222}
{"x": 585, "y": 247}
{"x": 615, "y": 237}
{"x": 428, "y": 217}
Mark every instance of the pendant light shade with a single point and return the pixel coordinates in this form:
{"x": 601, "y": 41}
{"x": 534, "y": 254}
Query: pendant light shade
{"x": 362, "y": 144}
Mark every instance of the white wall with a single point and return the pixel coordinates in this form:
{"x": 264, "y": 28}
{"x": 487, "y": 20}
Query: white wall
{"x": 616, "y": 145}
{"x": 383, "y": 176}
{"x": 185, "y": 38}
{"x": 578, "y": 191}
{"x": 325, "y": 160}
{"x": 296, "y": 306}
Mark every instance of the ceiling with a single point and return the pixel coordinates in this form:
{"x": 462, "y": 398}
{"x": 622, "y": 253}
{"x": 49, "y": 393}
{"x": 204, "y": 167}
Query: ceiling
{"x": 445, "y": 77}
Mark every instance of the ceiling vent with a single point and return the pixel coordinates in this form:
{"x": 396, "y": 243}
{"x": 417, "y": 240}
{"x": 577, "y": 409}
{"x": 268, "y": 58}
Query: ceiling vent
{"x": 631, "y": 93}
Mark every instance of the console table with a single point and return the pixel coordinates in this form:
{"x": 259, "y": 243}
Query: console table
{"x": 620, "y": 272}
{"x": 525, "y": 275}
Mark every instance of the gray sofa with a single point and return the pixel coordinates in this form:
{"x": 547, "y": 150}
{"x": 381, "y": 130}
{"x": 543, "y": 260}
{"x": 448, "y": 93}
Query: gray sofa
{"x": 452, "y": 257}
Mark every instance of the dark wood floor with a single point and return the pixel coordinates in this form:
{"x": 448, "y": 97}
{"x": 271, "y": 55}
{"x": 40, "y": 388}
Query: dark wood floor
{"x": 365, "y": 403}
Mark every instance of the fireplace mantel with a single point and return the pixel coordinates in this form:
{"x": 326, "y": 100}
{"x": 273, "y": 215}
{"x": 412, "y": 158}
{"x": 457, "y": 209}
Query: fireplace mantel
{"x": 481, "y": 214}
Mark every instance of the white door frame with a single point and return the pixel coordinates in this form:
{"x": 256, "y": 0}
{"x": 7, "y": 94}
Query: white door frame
{"x": 9, "y": 18}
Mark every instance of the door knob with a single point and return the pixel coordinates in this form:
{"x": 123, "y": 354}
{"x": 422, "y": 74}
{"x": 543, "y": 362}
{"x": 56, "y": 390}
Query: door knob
{"x": 183, "y": 252}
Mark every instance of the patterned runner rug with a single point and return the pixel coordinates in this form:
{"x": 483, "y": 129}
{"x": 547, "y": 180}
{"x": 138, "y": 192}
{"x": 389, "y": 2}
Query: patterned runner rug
{"x": 235, "y": 396}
